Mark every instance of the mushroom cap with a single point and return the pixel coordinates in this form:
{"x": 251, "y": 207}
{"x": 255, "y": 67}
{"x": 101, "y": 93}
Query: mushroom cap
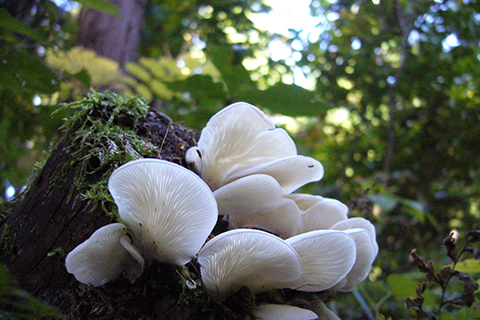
{"x": 363, "y": 262}
{"x": 291, "y": 172}
{"x": 304, "y": 201}
{"x": 367, "y": 250}
{"x": 327, "y": 257}
{"x": 169, "y": 209}
{"x": 358, "y": 223}
{"x": 104, "y": 256}
{"x": 284, "y": 221}
{"x": 319, "y": 213}
{"x": 257, "y": 193}
{"x": 283, "y": 311}
{"x": 245, "y": 257}
{"x": 237, "y": 137}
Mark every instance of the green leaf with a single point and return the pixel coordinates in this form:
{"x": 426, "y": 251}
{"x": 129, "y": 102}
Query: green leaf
{"x": 10, "y": 23}
{"x": 468, "y": 266}
{"x": 463, "y": 314}
{"x": 289, "y": 100}
{"x": 233, "y": 72}
{"x": 83, "y": 76}
{"x": 402, "y": 285}
{"x": 201, "y": 87}
{"x": 105, "y": 6}
{"x": 27, "y": 71}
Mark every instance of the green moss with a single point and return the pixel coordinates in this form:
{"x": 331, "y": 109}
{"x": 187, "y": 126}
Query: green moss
{"x": 102, "y": 135}
{"x": 57, "y": 252}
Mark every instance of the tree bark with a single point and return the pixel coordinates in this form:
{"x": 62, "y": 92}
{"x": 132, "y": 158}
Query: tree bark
{"x": 117, "y": 38}
{"x": 54, "y": 217}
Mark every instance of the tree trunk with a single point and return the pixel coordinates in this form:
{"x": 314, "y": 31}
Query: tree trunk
{"x": 117, "y": 38}
{"x": 65, "y": 204}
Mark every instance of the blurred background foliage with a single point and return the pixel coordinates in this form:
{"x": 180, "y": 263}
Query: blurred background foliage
{"x": 383, "y": 93}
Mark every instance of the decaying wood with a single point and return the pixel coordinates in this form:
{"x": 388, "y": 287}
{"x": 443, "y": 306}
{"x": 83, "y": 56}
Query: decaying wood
{"x": 52, "y": 219}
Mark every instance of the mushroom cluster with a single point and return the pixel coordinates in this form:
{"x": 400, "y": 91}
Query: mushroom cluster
{"x": 247, "y": 172}
{"x": 167, "y": 213}
{"x": 253, "y": 168}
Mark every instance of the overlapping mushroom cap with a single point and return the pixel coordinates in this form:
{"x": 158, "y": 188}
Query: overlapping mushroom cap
{"x": 319, "y": 213}
{"x": 327, "y": 257}
{"x": 240, "y": 141}
{"x": 168, "y": 208}
{"x": 245, "y": 257}
{"x": 169, "y": 211}
{"x": 106, "y": 255}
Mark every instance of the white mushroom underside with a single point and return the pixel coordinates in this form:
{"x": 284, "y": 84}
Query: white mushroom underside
{"x": 170, "y": 210}
{"x": 327, "y": 256}
{"x": 251, "y": 258}
{"x": 104, "y": 257}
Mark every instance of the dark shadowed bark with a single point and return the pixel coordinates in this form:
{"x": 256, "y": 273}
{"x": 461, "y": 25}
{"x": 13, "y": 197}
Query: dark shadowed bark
{"x": 54, "y": 216}
{"x": 117, "y": 38}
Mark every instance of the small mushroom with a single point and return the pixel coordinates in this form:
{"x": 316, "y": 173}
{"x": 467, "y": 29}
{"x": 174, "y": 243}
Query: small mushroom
{"x": 251, "y": 258}
{"x": 327, "y": 257}
{"x": 283, "y": 311}
{"x": 104, "y": 256}
{"x": 168, "y": 208}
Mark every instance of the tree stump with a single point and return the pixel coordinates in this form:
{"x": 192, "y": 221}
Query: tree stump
{"x": 68, "y": 200}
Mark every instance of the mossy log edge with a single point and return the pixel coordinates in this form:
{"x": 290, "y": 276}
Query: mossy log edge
{"x": 54, "y": 216}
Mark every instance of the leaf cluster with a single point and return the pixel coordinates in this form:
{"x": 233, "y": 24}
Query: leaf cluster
{"x": 443, "y": 279}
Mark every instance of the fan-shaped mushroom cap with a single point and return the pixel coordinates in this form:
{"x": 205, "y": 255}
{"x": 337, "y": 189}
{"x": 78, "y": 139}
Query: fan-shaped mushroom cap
{"x": 291, "y": 172}
{"x": 304, "y": 201}
{"x": 359, "y": 223}
{"x": 283, "y": 311}
{"x": 169, "y": 209}
{"x": 250, "y": 258}
{"x": 327, "y": 256}
{"x": 367, "y": 249}
{"x": 283, "y": 221}
{"x": 104, "y": 256}
{"x": 319, "y": 213}
{"x": 236, "y": 138}
{"x": 247, "y": 195}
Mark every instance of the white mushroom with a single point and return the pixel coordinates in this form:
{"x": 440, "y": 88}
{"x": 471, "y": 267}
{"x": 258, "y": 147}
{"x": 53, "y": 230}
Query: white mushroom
{"x": 241, "y": 140}
{"x": 283, "y": 221}
{"x": 367, "y": 249}
{"x": 107, "y": 254}
{"x": 318, "y": 213}
{"x": 283, "y": 311}
{"x": 359, "y": 223}
{"x": 258, "y": 193}
{"x": 290, "y": 172}
{"x": 327, "y": 257}
{"x": 168, "y": 208}
{"x": 251, "y": 258}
